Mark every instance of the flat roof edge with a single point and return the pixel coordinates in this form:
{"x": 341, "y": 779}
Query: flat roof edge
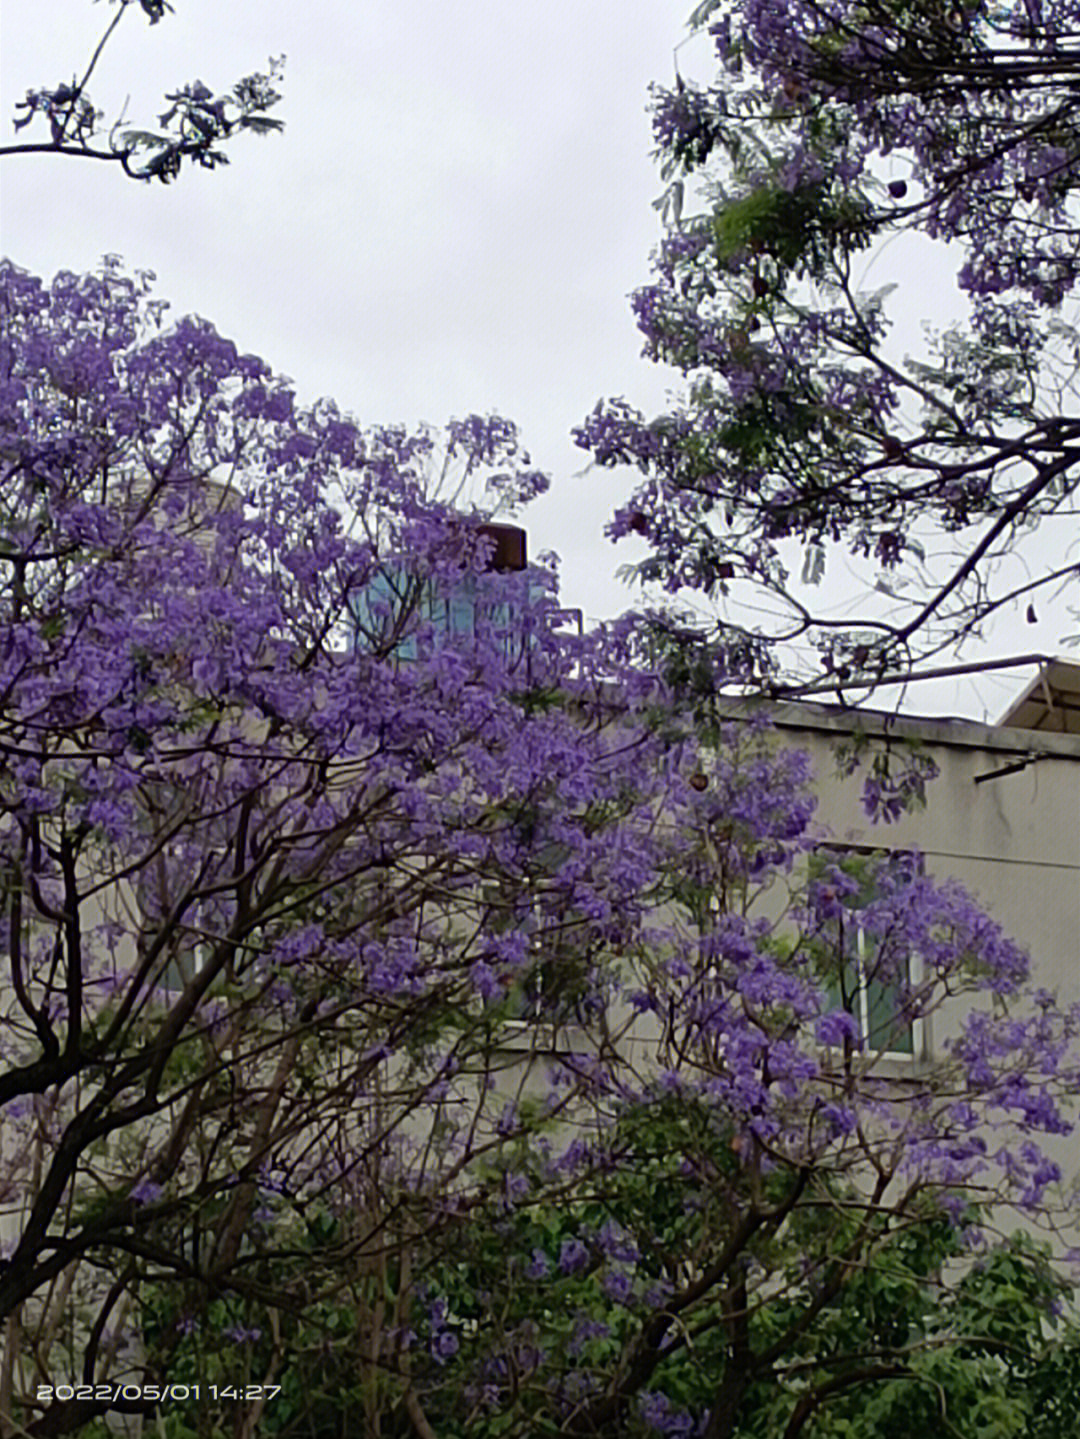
{"x": 958, "y": 733}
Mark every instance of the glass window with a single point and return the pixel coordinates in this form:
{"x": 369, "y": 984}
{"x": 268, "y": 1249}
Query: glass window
{"x": 866, "y": 968}
{"x": 388, "y": 613}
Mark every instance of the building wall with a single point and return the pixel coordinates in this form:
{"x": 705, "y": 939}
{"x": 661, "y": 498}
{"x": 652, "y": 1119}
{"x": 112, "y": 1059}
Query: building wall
{"x": 1010, "y": 835}
{"x": 1002, "y": 818}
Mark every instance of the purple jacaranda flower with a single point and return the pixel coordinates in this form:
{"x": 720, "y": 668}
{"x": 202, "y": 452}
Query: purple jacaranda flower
{"x": 573, "y": 1256}
{"x": 539, "y": 1266}
{"x": 617, "y": 1284}
{"x": 239, "y": 1334}
{"x": 837, "y": 1028}
{"x": 444, "y": 1345}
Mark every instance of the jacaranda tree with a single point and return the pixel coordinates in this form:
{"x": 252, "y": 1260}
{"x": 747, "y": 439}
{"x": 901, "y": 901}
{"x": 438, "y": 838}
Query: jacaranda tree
{"x": 412, "y": 1024}
{"x": 751, "y": 1223}
{"x": 921, "y": 1337}
{"x": 805, "y": 434}
{"x": 193, "y": 128}
{"x": 286, "y": 805}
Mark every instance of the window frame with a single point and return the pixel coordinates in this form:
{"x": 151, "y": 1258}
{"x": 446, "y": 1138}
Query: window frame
{"x": 917, "y": 1027}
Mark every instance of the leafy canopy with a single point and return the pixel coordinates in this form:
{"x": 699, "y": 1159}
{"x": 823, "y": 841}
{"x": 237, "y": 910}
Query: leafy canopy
{"x": 831, "y": 132}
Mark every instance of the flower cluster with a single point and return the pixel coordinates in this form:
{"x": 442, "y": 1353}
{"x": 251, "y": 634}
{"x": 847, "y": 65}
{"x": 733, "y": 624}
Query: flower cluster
{"x": 827, "y": 133}
{"x": 367, "y": 934}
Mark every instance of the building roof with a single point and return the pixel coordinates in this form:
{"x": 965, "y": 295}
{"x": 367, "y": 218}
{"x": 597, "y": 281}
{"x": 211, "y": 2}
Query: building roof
{"x": 1050, "y": 703}
{"x": 1044, "y": 719}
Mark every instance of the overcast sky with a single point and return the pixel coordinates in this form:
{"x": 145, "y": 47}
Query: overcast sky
{"x": 452, "y": 221}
